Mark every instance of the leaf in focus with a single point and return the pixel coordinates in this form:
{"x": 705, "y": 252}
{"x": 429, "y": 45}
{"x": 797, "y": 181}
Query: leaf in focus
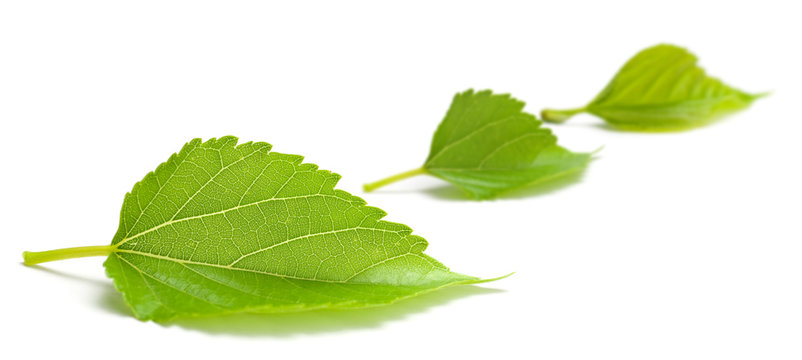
{"x": 661, "y": 88}
{"x": 222, "y": 228}
{"x": 487, "y": 144}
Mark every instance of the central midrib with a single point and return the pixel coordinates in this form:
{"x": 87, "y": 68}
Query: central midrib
{"x": 228, "y": 267}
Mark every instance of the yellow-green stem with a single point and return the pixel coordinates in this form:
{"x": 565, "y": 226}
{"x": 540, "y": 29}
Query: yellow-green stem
{"x": 559, "y": 116}
{"x": 38, "y": 257}
{"x": 389, "y": 180}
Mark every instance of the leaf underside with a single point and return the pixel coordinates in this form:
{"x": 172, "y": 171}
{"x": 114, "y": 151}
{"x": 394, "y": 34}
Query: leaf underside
{"x": 487, "y": 144}
{"x": 223, "y": 228}
{"x": 663, "y": 88}
{"x": 553, "y": 162}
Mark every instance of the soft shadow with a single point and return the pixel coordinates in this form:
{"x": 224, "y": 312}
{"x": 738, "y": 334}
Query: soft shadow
{"x": 319, "y": 321}
{"x": 450, "y": 192}
{"x": 447, "y": 192}
{"x": 110, "y": 300}
{"x": 633, "y": 130}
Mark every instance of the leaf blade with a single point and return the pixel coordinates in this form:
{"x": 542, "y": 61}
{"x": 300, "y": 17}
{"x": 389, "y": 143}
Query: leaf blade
{"x": 662, "y": 88}
{"x": 487, "y": 145}
{"x": 222, "y": 228}
{"x": 552, "y": 163}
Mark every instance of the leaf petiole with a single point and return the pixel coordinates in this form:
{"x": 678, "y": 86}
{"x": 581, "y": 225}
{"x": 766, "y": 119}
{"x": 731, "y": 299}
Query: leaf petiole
{"x": 389, "y": 180}
{"x": 38, "y": 257}
{"x": 560, "y": 116}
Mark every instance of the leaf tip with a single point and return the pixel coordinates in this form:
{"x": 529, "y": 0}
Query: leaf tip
{"x": 480, "y": 281}
{"x": 761, "y": 95}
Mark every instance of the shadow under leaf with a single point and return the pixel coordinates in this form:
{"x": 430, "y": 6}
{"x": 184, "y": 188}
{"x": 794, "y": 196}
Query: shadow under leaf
{"x": 320, "y": 321}
{"x": 645, "y": 130}
{"x": 110, "y": 300}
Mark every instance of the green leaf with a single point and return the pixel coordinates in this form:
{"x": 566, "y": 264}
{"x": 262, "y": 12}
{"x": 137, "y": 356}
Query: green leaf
{"x": 487, "y": 144}
{"x": 222, "y": 228}
{"x": 661, "y": 88}
{"x": 553, "y": 162}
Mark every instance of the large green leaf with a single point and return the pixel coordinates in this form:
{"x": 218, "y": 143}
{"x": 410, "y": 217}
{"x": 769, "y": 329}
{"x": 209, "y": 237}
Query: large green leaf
{"x": 487, "y": 144}
{"x": 222, "y": 228}
{"x": 661, "y": 88}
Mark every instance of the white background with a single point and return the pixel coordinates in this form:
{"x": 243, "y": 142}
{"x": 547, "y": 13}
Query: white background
{"x": 671, "y": 246}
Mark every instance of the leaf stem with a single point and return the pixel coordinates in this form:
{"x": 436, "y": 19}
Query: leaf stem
{"x": 37, "y": 257}
{"x": 389, "y": 180}
{"x": 560, "y": 116}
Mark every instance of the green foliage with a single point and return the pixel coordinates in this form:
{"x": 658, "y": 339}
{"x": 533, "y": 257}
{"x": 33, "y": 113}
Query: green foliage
{"x": 223, "y": 228}
{"x": 483, "y": 183}
{"x": 661, "y": 88}
{"x": 487, "y": 144}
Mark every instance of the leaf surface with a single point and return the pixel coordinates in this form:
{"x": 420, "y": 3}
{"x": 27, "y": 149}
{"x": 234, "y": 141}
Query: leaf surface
{"x": 487, "y": 144}
{"x": 552, "y": 162}
{"x": 222, "y": 228}
{"x": 661, "y": 88}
